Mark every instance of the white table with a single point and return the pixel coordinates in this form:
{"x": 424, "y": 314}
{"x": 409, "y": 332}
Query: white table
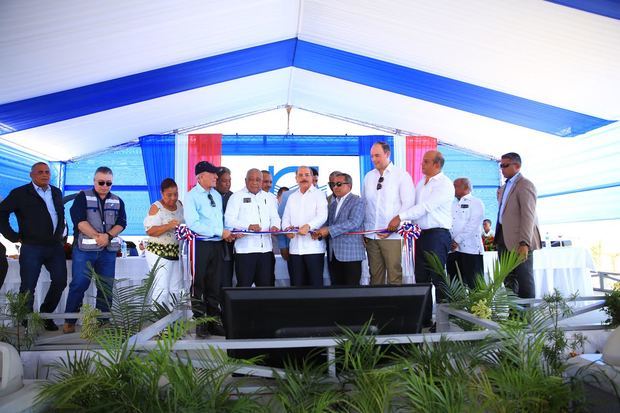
{"x": 565, "y": 268}
{"x": 130, "y": 271}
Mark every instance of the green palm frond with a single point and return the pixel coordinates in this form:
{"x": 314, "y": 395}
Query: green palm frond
{"x": 304, "y": 389}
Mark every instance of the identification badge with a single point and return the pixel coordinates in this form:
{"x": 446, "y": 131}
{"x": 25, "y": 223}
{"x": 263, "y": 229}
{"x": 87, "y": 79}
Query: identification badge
{"x": 464, "y": 205}
{"x": 247, "y": 200}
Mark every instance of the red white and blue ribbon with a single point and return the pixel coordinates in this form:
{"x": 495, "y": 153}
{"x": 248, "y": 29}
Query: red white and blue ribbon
{"x": 187, "y": 238}
{"x": 409, "y": 232}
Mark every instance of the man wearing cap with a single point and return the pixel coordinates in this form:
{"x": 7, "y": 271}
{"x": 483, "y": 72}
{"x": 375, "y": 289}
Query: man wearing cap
{"x": 203, "y": 215}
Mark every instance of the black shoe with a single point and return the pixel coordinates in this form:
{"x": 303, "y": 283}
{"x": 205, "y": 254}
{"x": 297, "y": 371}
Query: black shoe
{"x": 216, "y": 329}
{"x": 49, "y": 325}
{"x": 433, "y": 328}
{"x": 201, "y": 331}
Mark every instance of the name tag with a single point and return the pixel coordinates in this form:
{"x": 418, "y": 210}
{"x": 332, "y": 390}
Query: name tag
{"x": 247, "y": 200}
{"x": 464, "y": 206}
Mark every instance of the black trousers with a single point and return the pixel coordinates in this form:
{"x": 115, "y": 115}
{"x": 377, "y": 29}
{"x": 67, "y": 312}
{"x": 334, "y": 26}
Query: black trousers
{"x": 4, "y": 265}
{"x": 206, "y": 291}
{"x": 254, "y": 268}
{"x": 228, "y": 265}
{"x": 470, "y": 266}
{"x": 521, "y": 279}
{"x": 436, "y": 241}
{"x": 345, "y": 272}
{"x": 31, "y": 259}
{"x": 306, "y": 270}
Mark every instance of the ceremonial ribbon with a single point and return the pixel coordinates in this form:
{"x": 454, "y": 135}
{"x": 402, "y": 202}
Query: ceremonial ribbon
{"x": 407, "y": 231}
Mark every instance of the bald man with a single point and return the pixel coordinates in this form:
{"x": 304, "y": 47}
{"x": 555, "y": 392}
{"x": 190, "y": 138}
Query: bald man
{"x": 433, "y": 213}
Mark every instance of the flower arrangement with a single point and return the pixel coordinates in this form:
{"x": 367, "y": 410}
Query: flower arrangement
{"x": 167, "y": 251}
{"x": 488, "y": 242}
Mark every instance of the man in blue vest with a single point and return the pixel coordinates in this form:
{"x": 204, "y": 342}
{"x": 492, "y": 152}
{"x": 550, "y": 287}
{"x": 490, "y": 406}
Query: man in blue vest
{"x": 98, "y": 218}
{"x": 41, "y": 220}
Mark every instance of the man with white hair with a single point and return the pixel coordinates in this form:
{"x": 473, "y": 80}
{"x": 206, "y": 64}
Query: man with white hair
{"x": 253, "y": 209}
{"x": 466, "y": 248}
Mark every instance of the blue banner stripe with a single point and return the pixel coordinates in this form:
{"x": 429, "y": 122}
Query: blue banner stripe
{"x": 607, "y": 8}
{"x": 68, "y": 104}
{"x": 336, "y": 63}
{"x": 443, "y": 91}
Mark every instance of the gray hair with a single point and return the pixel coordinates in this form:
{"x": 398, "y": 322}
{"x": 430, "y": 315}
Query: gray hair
{"x": 347, "y": 178}
{"x": 253, "y": 170}
{"x": 513, "y": 156}
{"x": 464, "y": 181}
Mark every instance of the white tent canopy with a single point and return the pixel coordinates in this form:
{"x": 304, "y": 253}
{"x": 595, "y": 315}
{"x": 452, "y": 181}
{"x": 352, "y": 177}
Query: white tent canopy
{"x": 530, "y": 76}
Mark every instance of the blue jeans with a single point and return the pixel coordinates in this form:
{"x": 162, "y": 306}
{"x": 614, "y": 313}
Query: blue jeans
{"x": 104, "y": 263}
{"x": 31, "y": 259}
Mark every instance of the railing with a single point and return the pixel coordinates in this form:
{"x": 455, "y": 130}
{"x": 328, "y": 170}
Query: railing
{"x": 602, "y": 277}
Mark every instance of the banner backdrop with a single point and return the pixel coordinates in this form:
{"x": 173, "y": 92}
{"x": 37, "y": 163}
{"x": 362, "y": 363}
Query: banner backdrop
{"x": 202, "y": 147}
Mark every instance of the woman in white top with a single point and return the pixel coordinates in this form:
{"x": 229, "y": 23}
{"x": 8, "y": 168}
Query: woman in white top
{"x": 164, "y": 215}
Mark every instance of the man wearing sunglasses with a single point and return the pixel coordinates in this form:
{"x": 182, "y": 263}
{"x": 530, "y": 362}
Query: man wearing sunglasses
{"x": 345, "y": 214}
{"x": 203, "y": 214}
{"x": 98, "y": 218}
{"x": 517, "y": 224}
{"x": 41, "y": 220}
{"x": 388, "y": 191}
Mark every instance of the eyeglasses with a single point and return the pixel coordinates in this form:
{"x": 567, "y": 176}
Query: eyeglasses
{"x": 106, "y": 183}
{"x": 506, "y": 165}
{"x": 379, "y": 186}
{"x": 212, "y": 200}
{"x": 338, "y": 184}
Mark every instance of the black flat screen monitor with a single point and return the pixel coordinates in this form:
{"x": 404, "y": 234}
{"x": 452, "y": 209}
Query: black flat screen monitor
{"x": 314, "y": 312}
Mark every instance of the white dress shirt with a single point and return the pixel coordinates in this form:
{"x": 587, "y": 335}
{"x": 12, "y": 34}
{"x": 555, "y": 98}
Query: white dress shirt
{"x": 397, "y": 194}
{"x": 433, "y": 207}
{"x": 467, "y": 216}
{"x": 244, "y": 209}
{"x": 339, "y": 203}
{"x": 307, "y": 208}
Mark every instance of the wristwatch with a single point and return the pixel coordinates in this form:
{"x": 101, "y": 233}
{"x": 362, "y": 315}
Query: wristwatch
{"x": 524, "y": 244}
{"x": 110, "y": 237}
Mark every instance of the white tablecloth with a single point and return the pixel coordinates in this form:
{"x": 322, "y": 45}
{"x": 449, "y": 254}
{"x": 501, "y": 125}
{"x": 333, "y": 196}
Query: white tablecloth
{"x": 565, "y": 268}
{"x": 130, "y": 270}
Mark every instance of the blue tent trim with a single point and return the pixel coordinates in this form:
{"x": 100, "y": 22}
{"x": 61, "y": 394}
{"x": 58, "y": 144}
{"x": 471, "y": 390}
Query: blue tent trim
{"x": 607, "y": 8}
{"x": 85, "y": 100}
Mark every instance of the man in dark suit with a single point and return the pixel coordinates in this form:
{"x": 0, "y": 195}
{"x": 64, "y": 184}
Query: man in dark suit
{"x": 222, "y": 185}
{"x": 345, "y": 214}
{"x": 41, "y": 220}
{"x": 517, "y": 224}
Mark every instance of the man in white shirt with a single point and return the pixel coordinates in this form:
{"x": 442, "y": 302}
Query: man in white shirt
{"x": 306, "y": 209}
{"x": 466, "y": 249}
{"x": 388, "y": 191}
{"x": 433, "y": 213}
{"x": 253, "y": 209}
